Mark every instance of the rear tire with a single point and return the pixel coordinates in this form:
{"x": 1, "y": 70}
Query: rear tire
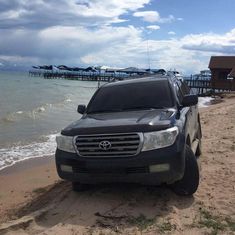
{"x": 78, "y": 187}
{"x": 189, "y": 183}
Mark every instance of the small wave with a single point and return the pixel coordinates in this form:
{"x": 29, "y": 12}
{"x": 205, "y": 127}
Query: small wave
{"x": 204, "y": 101}
{"x": 63, "y": 85}
{"x": 19, "y": 112}
{"x": 9, "y": 156}
{"x": 8, "y": 119}
{"x": 68, "y": 100}
{"x": 11, "y": 117}
{"x": 90, "y": 87}
{"x": 19, "y": 115}
{"x": 41, "y": 109}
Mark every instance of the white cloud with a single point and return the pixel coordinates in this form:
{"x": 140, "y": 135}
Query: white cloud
{"x": 80, "y": 33}
{"x": 149, "y": 16}
{"x": 168, "y": 19}
{"x": 154, "y": 16}
{"x": 40, "y": 14}
{"x": 171, "y": 53}
{"x": 112, "y": 46}
{"x": 60, "y": 44}
{"x": 171, "y": 33}
{"x": 153, "y": 27}
{"x": 211, "y": 42}
{"x": 12, "y": 14}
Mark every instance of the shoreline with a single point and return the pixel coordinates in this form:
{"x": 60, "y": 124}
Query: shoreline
{"x": 26, "y": 164}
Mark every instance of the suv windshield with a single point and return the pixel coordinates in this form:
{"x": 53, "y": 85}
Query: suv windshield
{"x": 132, "y": 96}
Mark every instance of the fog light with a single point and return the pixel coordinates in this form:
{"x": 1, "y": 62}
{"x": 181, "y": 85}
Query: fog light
{"x": 66, "y": 168}
{"x": 159, "y": 168}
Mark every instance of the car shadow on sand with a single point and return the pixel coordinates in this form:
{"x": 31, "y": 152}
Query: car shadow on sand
{"x": 106, "y": 206}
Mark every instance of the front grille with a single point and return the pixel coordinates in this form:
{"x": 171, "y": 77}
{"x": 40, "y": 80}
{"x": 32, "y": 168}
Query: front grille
{"x": 118, "y": 145}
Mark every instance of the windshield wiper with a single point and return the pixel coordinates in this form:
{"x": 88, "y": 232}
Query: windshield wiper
{"x": 143, "y": 108}
{"x": 105, "y": 111}
{"x": 126, "y": 109}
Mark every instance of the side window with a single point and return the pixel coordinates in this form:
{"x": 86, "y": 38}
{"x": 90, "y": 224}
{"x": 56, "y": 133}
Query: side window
{"x": 185, "y": 89}
{"x": 182, "y": 89}
{"x": 178, "y": 92}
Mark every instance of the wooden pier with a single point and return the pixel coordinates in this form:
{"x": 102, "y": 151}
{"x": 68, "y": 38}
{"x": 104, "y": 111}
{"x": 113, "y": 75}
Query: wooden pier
{"x": 83, "y": 75}
{"x": 200, "y": 86}
{"x": 209, "y": 86}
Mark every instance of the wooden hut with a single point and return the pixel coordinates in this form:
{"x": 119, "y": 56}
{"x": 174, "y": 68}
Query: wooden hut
{"x": 222, "y": 72}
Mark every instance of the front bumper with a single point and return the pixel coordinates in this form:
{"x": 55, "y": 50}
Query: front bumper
{"x": 126, "y": 169}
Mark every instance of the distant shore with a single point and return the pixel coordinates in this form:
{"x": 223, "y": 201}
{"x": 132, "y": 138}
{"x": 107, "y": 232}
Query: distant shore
{"x": 33, "y": 184}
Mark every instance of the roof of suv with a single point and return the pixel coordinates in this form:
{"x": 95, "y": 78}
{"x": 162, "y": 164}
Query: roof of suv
{"x": 138, "y": 80}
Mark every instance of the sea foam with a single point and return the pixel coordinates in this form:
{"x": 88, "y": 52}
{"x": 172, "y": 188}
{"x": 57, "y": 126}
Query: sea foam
{"x": 204, "y": 101}
{"x": 9, "y": 156}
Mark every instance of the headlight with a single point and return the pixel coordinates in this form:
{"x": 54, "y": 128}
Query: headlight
{"x": 159, "y": 139}
{"x": 65, "y": 143}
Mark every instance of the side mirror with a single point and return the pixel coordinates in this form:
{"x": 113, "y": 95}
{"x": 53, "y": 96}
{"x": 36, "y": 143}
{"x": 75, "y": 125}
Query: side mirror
{"x": 189, "y": 100}
{"x": 81, "y": 109}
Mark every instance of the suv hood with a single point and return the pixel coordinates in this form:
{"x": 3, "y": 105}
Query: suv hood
{"x": 122, "y": 122}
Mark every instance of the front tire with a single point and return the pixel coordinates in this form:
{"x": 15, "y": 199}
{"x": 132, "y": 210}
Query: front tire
{"x": 189, "y": 183}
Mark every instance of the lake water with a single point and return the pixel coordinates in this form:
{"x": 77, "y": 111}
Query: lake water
{"x": 33, "y": 110}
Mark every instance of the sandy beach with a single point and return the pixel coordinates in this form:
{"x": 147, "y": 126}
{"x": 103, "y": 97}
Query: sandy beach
{"x": 33, "y": 200}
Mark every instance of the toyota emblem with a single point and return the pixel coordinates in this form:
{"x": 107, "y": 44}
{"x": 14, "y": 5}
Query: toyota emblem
{"x": 105, "y": 145}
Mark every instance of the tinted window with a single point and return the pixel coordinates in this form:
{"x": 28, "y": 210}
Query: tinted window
{"x": 182, "y": 89}
{"x": 185, "y": 89}
{"x": 142, "y": 95}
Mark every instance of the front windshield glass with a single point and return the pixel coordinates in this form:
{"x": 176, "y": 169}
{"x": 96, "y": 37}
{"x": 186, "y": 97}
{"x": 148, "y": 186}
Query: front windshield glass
{"x": 132, "y": 96}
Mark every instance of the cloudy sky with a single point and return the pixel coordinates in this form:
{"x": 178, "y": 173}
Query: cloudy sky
{"x": 179, "y": 34}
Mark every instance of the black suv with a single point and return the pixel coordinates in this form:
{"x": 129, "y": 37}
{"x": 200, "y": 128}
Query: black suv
{"x": 143, "y": 130}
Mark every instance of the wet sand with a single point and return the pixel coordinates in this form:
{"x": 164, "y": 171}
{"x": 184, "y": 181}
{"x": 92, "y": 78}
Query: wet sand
{"x": 20, "y": 183}
{"x": 34, "y": 201}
